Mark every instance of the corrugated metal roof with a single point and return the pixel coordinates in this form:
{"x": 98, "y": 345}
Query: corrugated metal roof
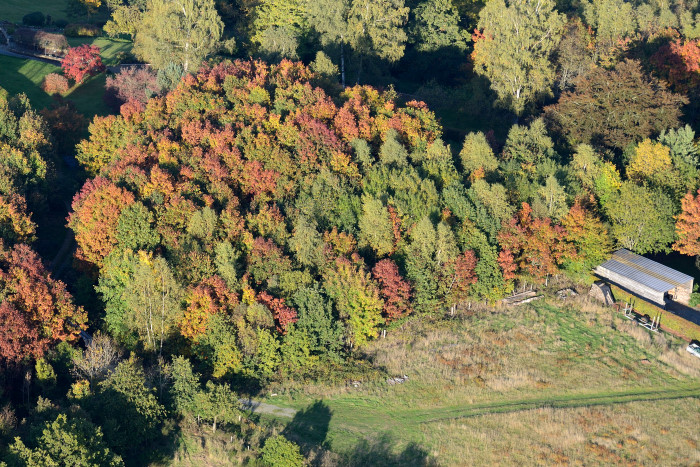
{"x": 645, "y": 271}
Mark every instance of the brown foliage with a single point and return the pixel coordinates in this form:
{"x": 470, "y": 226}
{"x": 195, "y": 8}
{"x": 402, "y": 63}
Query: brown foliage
{"x": 613, "y": 108}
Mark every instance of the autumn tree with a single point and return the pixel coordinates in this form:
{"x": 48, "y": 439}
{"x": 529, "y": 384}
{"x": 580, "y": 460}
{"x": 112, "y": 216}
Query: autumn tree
{"x": 458, "y": 277}
{"x": 613, "y": 108}
{"x": 136, "y": 84}
{"x": 679, "y": 63}
{"x": 36, "y": 311}
{"x": 513, "y": 46}
{"x": 180, "y": 31}
{"x": 394, "y": 290}
{"x": 688, "y": 226}
{"x": 357, "y": 300}
{"x": 532, "y": 246}
{"x": 82, "y": 61}
{"x": 95, "y": 216}
{"x": 589, "y": 236}
{"x": 650, "y": 161}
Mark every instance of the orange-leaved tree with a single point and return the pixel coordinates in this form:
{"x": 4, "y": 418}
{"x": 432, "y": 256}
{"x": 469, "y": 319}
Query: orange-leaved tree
{"x": 36, "y": 310}
{"x": 688, "y": 226}
{"x": 532, "y": 246}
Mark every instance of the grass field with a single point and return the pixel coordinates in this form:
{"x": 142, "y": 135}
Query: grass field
{"x": 14, "y": 10}
{"x": 668, "y": 320}
{"x": 23, "y": 75}
{"x": 109, "y": 48}
{"x": 544, "y": 383}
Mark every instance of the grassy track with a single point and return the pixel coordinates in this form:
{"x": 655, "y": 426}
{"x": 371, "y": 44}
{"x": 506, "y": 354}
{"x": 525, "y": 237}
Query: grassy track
{"x": 558, "y": 402}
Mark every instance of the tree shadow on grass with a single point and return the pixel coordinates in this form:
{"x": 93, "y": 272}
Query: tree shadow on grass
{"x": 381, "y": 451}
{"x": 309, "y": 427}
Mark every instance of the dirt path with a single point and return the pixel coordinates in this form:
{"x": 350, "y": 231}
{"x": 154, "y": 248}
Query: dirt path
{"x": 261, "y": 407}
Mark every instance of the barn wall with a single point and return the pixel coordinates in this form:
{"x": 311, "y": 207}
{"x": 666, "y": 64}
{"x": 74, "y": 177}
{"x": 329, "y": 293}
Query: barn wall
{"x": 682, "y": 294}
{"x": 636, "y": 287}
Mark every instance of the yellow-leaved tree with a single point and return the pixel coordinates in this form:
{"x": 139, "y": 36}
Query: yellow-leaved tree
{"x": 650, "y": 160}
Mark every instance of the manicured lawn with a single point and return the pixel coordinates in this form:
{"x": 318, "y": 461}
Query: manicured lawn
{"x": 19, "y": 75}
{"x": 88, "y": 97}
{"x": 109, "y": 48}
{"x": 22, "y": 75}
{"x": 545, "y": 365}
{"x": 14, "y": 10}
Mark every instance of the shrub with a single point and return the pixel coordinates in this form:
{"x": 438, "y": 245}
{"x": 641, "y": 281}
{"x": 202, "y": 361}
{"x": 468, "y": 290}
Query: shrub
{"x": 55, "y": 84}
{"x": 131, "y": 84}
{"x": 81, "y": 30}
{"x": 51, "y": 43}
{"x": 47, "y": 42}
{"x": 279, "y": 452}
{"x": 60, "y": 23}
{"x": 82, "y": 61}
{"x": 35, "y": 18}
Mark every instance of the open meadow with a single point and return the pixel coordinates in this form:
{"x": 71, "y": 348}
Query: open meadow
{"x": 545, "y": 383}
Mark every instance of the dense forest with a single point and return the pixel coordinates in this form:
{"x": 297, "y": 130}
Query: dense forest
{"x": 288, "y": 180}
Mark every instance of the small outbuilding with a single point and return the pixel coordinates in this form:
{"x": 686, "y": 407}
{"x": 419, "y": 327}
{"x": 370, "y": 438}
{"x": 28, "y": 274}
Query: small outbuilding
{"x": 646, "y": 278}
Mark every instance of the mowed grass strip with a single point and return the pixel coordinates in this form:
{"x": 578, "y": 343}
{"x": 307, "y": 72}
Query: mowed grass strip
{"x": 562, "y": 401}
{"x": 18, "y": 75}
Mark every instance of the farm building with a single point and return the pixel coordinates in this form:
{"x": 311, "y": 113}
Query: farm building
{"x": 646, "y": 278}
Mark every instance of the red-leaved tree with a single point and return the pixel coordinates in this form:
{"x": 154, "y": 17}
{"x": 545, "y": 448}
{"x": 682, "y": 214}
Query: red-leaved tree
{"x": 460, "y": 275}
{"x": 36, "y": 310}
{"x": 135, "y": 84}
{"x": 82, "y": 61}
{"x": 395, "y": 291}
{"x": 284, "y": 315}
